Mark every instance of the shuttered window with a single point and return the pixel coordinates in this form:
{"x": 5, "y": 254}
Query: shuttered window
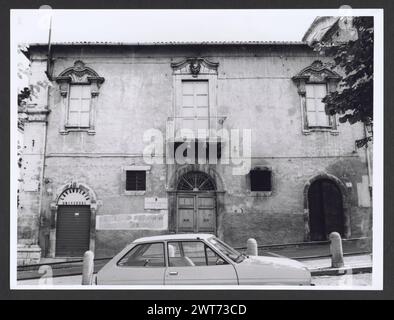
{"x": 135, "y": 180}
{"x": 79, "y": 106}
{"x": 315, "y": 108}
{"x": 195, "y": 105}
{"x": 260, "y": 180}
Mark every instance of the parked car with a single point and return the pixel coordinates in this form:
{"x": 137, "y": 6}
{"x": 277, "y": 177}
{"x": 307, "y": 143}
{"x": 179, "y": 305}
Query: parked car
{"x": 196, "y": 259}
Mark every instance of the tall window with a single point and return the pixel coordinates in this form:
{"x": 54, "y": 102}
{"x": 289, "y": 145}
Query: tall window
{"x": 195, "y": 105}
{"x": 79, "y": 106}
{"x": 315, "y": 108}
{"x": 314, "y": 82}
{"x": 195, "y": 87}
{"x": 79, "y": 88}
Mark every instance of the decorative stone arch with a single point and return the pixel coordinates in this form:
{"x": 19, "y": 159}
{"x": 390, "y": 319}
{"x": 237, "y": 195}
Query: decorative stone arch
{"x": 175, "y": 177}
{"x": 195, "y": 66}
{"x": 173, "y": 192}
{"x": 345, "y": 203}
{"x": 81, "y": 194}
{"x": 78, "y": 73}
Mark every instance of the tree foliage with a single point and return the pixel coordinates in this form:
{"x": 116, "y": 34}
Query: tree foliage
{"x": 354, "y": 99}
{"x": 24, "y": 71}
{"x": 23, "y": 95}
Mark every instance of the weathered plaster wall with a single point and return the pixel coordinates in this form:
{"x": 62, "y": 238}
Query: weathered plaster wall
{"x": 32, "y": 171}
{"x": 279, "y": 218}
{"x": 255, "y": 91}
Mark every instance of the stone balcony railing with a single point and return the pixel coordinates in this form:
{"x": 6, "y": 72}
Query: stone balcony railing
{"x": 194, "y": 128}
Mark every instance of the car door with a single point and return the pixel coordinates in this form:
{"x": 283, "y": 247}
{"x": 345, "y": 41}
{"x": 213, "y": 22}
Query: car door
{"x": 195, "y": 263}
{"x": 144, "y": 264}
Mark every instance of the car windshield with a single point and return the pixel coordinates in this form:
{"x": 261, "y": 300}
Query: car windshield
{"x": 227, "y": 250}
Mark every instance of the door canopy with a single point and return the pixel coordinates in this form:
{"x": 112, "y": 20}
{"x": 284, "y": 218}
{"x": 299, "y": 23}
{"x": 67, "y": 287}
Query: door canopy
{"x": 196, "y": 181}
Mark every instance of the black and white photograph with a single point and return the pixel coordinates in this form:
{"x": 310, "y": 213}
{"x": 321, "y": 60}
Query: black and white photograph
{"x": 216, "y": 149}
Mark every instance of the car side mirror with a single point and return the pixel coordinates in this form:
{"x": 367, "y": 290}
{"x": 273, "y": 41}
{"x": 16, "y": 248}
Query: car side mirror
{"x": 219, "y": 261}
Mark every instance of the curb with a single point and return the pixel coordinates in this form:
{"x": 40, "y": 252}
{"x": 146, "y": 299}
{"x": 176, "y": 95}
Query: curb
{"x": 340, "y": 271}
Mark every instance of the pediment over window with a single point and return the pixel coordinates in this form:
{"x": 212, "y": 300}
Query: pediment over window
{"x": 195, "y": 66}
{"x": 317, "y": 72}
{"x": 79, "y": 74}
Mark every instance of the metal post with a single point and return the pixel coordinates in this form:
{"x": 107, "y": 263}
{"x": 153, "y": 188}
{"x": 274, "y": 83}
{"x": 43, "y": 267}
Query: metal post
{"x": 336, "y": 250}
{"x": 251, "y": 247}
{"x": 88, "y": 268}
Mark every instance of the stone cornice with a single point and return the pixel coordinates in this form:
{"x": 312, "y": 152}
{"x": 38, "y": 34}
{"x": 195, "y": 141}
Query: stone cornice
{"x": 79, "y": 73}
{"x": 36, "y": 115}
{"x": 317, "y": 72}
{"x": 195, "y": 66}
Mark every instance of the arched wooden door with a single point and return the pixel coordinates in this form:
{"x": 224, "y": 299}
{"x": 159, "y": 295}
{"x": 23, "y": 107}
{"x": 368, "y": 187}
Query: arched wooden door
{"x": 196, "y": 203}
{"x": 325, "y": 209}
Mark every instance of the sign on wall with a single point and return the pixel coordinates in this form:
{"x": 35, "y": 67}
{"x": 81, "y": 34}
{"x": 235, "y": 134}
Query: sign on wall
{"x": 136, "y": 221}
{"x": 156, "y": 203}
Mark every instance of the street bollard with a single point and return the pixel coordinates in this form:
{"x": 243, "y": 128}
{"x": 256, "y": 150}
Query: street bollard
{"x": 88, "y": 268}
{"x": 336, "y": 250}
{"x": 251, "y": 247}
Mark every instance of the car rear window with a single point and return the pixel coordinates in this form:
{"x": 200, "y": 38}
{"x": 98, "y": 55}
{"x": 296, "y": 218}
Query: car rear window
{"x": 144, "y": 255}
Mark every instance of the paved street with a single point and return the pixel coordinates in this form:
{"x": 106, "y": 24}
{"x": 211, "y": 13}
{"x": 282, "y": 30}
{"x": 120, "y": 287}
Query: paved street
{"x": 314, "y": 264}
{"x": 363, "y": 279}
{"x": 353, "y": 261}
{"x": 70, "y": 280}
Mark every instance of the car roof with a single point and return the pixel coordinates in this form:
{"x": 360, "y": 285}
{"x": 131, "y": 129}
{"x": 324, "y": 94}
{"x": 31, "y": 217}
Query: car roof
{"x": 181, "y": 236}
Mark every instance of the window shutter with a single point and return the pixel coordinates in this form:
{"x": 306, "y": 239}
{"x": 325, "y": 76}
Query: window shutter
{"x": 315, "y": 108}
{"x": 195, "y": 105}
{"x": 260, "y": 180}
{"x": 135, "y": 180}
{"x": 85, "y": 106}
{"x": 79, "y": 106}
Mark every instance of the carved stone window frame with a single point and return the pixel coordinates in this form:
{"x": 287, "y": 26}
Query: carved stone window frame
{"x": 195, "y": 69}
{"x": 78, "y": 74}
{"x": 316, "y": 73}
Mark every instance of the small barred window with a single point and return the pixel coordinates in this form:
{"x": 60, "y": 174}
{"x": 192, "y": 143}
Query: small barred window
{"x": 260, "y": 180}
{"x": 135, "y": 180}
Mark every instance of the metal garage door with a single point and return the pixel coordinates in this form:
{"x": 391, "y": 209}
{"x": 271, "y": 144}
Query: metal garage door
{"x": 72, "y": 231}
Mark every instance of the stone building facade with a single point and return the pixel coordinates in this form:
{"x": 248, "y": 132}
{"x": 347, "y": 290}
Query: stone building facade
{"x": 86, "y": 184}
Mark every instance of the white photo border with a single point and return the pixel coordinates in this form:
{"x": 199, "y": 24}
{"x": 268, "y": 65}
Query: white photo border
{"x": 378, "y": 178}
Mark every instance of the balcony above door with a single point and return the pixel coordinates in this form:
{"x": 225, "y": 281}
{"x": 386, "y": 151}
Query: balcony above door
{"x": 189, "y": 128}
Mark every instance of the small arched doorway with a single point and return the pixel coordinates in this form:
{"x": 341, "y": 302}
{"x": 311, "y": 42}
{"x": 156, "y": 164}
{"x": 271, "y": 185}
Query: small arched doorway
{"x": 73, "y": 221}
{"x": 326, "y": 212}
{"x": 196, "y": 203}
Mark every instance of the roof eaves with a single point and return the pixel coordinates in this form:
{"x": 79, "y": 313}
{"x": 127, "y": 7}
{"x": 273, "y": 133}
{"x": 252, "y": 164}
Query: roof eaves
{"x": 169, "y": 43}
